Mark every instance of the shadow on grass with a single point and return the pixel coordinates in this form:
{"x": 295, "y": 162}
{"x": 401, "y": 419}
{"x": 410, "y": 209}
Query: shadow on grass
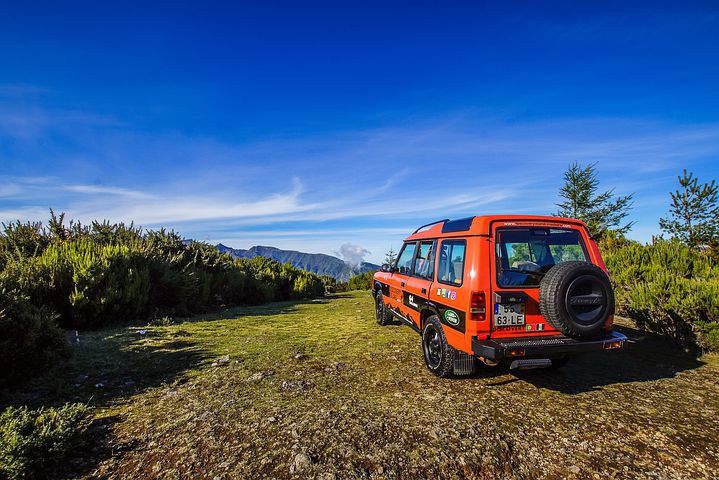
{"x": 112, "y": 364}
{"x": 645, "y": 358}
{"x": 95, "y": 447}
{"x": 268, "y": 309}
{"x": 107, "y": 368}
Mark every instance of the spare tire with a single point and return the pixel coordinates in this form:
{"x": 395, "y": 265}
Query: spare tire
{"x": 576, "y": 298}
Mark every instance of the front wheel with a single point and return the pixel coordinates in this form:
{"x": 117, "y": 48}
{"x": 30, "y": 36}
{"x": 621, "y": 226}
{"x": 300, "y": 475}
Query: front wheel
{"x": 381, "y": 312}
{"x": 438, "y": 354}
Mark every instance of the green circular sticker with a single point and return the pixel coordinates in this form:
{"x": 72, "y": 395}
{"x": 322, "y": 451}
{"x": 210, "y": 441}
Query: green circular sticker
{"x": 451, "y": 317}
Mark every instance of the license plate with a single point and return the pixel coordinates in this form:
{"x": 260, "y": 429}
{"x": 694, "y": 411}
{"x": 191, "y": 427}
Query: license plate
{"x": 508, "y": 314}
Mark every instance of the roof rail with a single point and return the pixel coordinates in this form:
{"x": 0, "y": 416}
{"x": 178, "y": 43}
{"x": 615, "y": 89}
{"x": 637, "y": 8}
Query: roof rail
{"x": 431, "y": 223}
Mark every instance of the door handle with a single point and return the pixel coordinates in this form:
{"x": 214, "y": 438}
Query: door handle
{"x": 401, "y": 284}
{"x": 424, "y": 290}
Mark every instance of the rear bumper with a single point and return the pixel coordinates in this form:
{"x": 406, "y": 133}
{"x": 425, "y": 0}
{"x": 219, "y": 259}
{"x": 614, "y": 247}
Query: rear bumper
{"x": 554, "y": 346}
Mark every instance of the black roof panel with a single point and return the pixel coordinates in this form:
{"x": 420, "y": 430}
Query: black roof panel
{"x": 460, "y": 225}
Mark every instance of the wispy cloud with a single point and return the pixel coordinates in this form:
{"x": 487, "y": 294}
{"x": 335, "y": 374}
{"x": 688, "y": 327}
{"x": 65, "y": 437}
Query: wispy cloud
{"x": 347, "y": 181}
{"x": 103, "y": 190}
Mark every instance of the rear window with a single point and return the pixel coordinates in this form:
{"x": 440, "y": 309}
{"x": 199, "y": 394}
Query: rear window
{"x": 525, "y": 255}
{"x": 451, "y": 262}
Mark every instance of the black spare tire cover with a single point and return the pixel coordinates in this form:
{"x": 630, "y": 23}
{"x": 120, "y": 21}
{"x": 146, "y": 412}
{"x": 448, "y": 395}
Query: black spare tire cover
{"x": 576, "y": 298}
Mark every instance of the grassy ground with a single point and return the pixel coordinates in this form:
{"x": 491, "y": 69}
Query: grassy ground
{"x": 319, "y": 390}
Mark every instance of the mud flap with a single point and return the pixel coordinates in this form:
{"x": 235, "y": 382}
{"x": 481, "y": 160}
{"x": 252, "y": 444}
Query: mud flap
{"x": 464, "y": 364}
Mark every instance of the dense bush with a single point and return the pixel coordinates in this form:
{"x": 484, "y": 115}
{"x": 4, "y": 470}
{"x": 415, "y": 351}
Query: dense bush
{"x": 668, "y": 288}
{"x": 89, "y": 276}
{"x": 30, "y": 339}
{"x": 362, "y": 281}
{"x": 33, "y": 442}
{"x": 332, "y": 285}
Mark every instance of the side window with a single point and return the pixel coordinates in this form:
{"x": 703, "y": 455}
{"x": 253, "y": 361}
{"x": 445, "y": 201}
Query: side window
{"x": 451, "y": 262}
{"x": 404, "y": 262}
{"x": 424, "y": 265}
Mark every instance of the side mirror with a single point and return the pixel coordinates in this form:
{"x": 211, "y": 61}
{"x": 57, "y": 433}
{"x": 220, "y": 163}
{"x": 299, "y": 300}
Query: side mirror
{"x": 386, "y": 268}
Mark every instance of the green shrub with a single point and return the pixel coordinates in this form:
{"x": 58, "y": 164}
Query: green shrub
{"x": 361, "y": 282}
{"x": 86, "y": 282}
{"x": 20, "y": 240}
{"x": 332, "y": 285}
{"x": 30, "y": 340}
{"x": 667, "y": 288}
{"x": 90, "y": 281}
{"x": 307, "y": 285}
{"x": 34, "y": 442}
{"x": 89, "y": 276}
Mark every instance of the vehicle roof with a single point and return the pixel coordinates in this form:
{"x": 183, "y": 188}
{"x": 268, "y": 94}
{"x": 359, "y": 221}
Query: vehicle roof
{"x": 481, "y": 225}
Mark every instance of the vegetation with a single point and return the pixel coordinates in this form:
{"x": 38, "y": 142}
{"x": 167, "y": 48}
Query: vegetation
{"x": 82, "y": 277}
{"x": 666, "y": 287}
{"x": 33, "y": 443}
{"x": 30, "y": 337}
{"x": 694, "y": 213}
{"x": 361, "y": 282}
{"x": 390, "y": 257}
{"x": 601, "y": 212}
{"x": 332, "y": 285}
{"x": 670, "y": 286}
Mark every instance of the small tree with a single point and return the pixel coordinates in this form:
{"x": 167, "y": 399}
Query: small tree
{"x": 693, "y": 213}
{"x": 390, "y": 257}
{"x": 603, "y": 212}
{"x": 56, "y": 226}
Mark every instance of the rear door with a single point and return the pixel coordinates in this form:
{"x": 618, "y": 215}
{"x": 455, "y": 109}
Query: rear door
{"x": 522, "y": 256}
{"x": 449, "y": 294}
{"x": 419, "y": 283}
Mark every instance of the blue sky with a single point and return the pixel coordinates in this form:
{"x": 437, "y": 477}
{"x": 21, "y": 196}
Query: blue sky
{"x": 309, "y": 125}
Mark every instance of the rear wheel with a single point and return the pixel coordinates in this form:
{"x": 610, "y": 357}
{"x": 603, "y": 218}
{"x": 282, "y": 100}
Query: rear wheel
{"x": 438, "y": 354}
{"x": 382, "y": 314}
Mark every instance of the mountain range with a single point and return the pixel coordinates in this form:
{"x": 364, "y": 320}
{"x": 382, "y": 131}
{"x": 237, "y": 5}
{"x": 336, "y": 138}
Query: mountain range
{"x": 312, "y": 262}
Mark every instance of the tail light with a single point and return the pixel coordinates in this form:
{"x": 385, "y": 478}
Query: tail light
{"x": 478, "y": 306}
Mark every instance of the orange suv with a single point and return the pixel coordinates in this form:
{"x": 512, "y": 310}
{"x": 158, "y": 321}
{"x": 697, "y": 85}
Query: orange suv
{"x": 526, "y": 290}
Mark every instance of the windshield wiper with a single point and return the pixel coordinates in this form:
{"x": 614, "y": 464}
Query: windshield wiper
{"x": 522, "y": 270}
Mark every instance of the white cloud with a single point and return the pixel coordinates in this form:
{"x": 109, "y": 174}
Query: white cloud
{"x": 104, "y": 190}
{"x": 393, "y": 175}
{"x": 353, "y": 254}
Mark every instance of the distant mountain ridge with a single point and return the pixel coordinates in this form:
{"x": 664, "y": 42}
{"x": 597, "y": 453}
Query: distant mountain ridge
{"x": 312, "y": 262}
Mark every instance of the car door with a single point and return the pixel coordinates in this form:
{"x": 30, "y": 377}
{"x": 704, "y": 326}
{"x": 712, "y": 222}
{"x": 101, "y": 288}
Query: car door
{"x": 398, "y": 279}
{"x": 450, "y": 294}
{"x": 419, "y": 282}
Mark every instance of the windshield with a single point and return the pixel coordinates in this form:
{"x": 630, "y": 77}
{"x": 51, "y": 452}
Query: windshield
{"x": 524, "y": 255}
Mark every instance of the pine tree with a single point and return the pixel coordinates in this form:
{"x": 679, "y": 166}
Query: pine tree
{"x": 693, "y": 212}
{"x": 56, "y": 226}
{"x": 390, "y": 257}
{"x": 602, "y": 213}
